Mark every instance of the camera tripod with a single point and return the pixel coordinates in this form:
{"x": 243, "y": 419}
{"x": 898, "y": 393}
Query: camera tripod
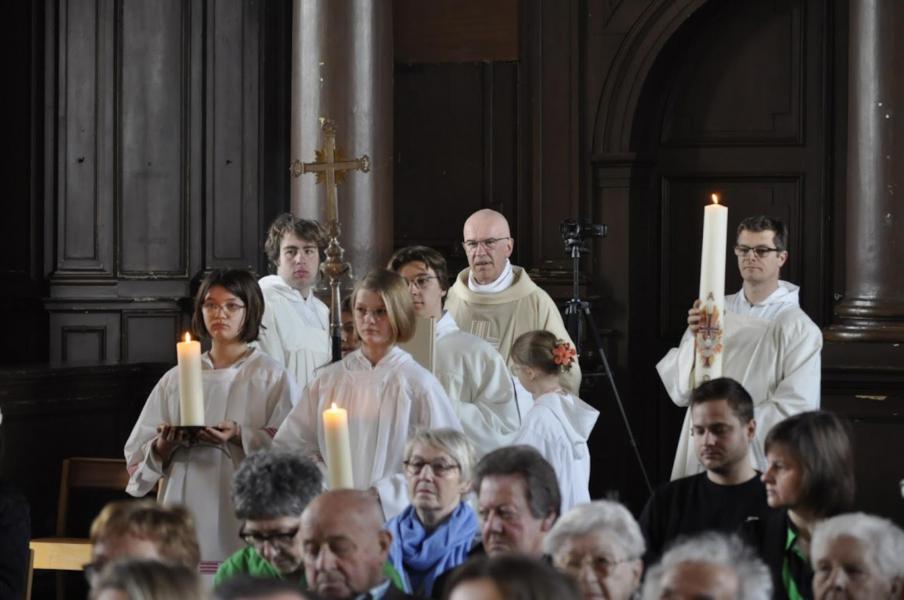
{"x": 576, "y": 310}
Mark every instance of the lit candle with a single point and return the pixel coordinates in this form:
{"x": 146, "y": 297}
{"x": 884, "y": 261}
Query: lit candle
{"x": 191, "y": 395}
{"x": 338, "y": 448}
{"x": 708, "y": 363}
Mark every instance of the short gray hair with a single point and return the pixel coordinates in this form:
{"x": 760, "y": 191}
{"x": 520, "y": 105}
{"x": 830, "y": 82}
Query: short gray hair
{"x": 273, "y": 484}
{"x": 452, "y": 442}
{"x": 719, "y": 549}
{"x": 604, "y": 515}
{"x": 880, "y": 538}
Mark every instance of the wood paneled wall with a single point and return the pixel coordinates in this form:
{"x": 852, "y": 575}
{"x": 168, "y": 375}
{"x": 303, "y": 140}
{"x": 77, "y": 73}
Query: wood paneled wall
{"x": 168, "y": 135}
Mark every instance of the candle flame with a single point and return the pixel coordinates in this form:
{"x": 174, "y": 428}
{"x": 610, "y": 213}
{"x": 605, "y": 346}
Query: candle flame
{"x": 187, "y": 337}
{"x": 333, "y": 407}
{"x": 715, "y": 198}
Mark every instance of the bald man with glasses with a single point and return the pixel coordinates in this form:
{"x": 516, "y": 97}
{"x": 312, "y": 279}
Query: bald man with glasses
{"x": 771, "y": 346}
{"x": 497, "y": 301}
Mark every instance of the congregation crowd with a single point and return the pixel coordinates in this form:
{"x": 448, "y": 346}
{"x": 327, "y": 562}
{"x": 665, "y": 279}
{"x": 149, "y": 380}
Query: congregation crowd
{"x": 472, "y": 479}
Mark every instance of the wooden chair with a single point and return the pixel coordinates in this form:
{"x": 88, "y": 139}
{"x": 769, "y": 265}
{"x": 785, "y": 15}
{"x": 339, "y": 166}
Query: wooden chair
{"x": 69, "y": 554}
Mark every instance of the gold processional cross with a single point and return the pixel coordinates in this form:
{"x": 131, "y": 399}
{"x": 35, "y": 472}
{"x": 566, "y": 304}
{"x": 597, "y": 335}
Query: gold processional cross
{"x": 330, "y": 169}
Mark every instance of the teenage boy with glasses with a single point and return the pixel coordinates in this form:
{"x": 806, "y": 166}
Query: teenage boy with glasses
{"x": 471, "y": 371}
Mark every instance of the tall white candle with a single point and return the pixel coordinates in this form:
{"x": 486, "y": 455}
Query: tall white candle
{"x": 191, "y": 394}
{"x": 708, "y": 363}
{"x": 338, "y": 448}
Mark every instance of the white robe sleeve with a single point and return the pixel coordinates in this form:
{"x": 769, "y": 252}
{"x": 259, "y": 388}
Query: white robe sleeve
{"x": 676, "y": 370}
{"x": 144, "y": 466}
{"x": 490, "y": 416}
{"x": 280, "y": 398}
{"x": 299, "y": 430}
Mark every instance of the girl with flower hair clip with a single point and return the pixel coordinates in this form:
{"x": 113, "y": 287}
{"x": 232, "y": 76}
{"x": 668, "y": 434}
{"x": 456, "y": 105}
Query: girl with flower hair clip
{"x": 559, "y": 423}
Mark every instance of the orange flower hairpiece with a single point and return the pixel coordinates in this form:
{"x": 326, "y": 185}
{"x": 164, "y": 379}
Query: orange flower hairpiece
{"x": 563, "y": 354}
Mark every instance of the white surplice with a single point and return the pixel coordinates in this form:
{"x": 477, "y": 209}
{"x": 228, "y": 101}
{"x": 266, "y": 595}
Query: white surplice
{"x": 785, "y": 296}
{"x": 479, "y": 384}
{"x": 256, "y": 393}
{"x": 386, "y": 404}
{"x": 295, "y": 329}
{"x": 777, "y": 361}
{"x": 558, "y": 426}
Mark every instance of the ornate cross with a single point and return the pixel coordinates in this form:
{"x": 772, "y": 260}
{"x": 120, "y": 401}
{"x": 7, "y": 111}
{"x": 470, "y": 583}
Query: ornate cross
{"x": 330, "y": 168}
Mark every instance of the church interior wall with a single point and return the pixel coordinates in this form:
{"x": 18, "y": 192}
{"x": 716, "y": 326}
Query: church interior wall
{"x": 508, "y": 120}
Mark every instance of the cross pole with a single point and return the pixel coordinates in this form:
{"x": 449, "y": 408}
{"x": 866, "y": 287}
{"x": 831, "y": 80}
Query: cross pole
{"x": 330, "y": 169}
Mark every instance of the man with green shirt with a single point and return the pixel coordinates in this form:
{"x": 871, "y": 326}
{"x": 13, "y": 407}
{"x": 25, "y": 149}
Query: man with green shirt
{"x": 270, "y": 491}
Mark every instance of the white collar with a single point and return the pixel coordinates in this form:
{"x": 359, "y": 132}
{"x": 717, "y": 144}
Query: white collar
{"x": 502, "y": 283}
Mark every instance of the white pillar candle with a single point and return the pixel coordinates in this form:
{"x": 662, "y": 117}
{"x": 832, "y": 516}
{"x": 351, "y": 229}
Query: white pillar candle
{"x": 708, "y": 363}
{"x": 191, "y": 394}
{"x": 338, "y": 448}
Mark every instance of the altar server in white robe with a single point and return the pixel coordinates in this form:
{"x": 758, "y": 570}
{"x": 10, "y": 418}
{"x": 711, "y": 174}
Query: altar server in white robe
{"x": 559, "y": 423}
{"x": 246, "y": 397}
{"x": 471, "y": 371}
{"x": 296, "y": 323}
{"x": 772, "y": 347}
{"x": 387, "y": 394}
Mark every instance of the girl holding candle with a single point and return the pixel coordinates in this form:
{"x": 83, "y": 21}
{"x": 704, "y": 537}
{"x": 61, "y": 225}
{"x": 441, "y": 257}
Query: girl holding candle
{"x": 246, "y": 395}
{"x": 386, "y": 393}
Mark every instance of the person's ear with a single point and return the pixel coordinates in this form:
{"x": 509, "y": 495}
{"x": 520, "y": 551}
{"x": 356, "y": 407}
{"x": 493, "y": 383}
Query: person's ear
{"x": 636, "y": 571}
{"x": 464, "y": 487}
{"x": 751, "y": 429}
{"x": 509, "y": 245}
{"x": 782, "y": 258}
{"x": 384, "y": 538}
{"x": 548, "y": 522}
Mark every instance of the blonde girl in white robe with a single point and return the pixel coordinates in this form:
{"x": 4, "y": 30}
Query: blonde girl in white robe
{"x": 387, "y": 394}
{"x": 559, "y": 423}
{"x": 246, "y": 397}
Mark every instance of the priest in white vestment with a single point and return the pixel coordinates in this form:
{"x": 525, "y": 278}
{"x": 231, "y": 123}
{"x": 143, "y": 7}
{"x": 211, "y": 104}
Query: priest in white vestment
{"x": 246, "y": 396}
{"x": 387, "y": 394}
{"x": 497, "y": 301}
{"x": 772, "y": 347}
{"x": 296, "y": 323}
{"x": 471, "y": 371}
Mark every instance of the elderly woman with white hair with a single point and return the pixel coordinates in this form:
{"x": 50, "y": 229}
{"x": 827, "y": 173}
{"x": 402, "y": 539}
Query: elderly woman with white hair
{"x": 858, "y": 556}
{"x": 709, "y": 565}
{"x": 436, "y": 532}
{"x": 600, "y": 545}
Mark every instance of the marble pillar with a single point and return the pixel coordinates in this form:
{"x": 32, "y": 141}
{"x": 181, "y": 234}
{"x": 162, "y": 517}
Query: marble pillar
{"x": 872, "y": 309}
{"x": 342, "y": 67}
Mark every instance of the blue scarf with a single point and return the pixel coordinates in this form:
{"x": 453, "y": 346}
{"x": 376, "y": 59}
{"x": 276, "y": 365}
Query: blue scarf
{"x": 421, "y": 557}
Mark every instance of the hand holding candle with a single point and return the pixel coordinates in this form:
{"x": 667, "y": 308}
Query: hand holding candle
{"x": 191, "y": 396}
{"x": 338, "y": 448}
{"x": 708, "y": 359}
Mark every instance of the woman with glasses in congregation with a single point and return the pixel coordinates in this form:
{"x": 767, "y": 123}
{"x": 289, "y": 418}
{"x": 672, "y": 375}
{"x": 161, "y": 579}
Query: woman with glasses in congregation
{"x": 435, "y": 533}
{"x": 386, "y": 393}
{"x": 246, "y": 396}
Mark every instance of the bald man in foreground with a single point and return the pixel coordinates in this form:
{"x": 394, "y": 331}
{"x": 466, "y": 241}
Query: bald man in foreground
{"x": 497, "y": 301}
{"x": 345, "y": 547}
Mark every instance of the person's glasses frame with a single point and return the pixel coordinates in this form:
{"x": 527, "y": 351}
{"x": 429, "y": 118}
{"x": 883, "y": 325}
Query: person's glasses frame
{"x": 277, "y": 539}
{"x": 488, "y": 243}
{"x": 230, "y": 308}
{"x": 439, "y": 469}
{"x": 421, "y": 281}
{"x": 760, "y": 251}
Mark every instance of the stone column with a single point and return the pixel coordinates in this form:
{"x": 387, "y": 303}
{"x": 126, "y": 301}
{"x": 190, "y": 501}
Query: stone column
{"x": 873, "y": 306}
{"x": 342, "y": 66}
